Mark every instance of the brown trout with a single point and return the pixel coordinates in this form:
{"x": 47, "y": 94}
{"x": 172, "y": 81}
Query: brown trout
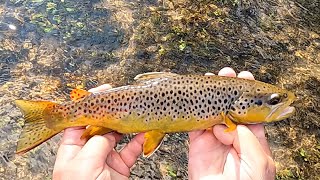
{"x": 157, "y": 104}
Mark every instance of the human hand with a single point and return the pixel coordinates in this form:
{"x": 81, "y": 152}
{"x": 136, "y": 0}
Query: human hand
{"x": 95, "y": 159}
{"x": 241, "y": 154}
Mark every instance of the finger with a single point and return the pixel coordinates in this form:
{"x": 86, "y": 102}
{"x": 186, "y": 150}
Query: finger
{"x": 228, "y": 137}
{"x": 123, "y": 161}
{"x": 97, "y": 149}
{"x": 200, "y": 139}
{"x": 132, "y": 150}
{"x": 252, "y": 153}
{"x": 225, "y": 138}
{"x": 114, "y": 161}
{"x": 227, "y": 71}
{"x": 117, "y": 136}
{"x": 246, "y": 75}
{"x": 114, "y": 174}
{"x": 253, "y": 150}
{"x": 232, "y": 162}
{"x": 195, "y": 134}
{"x": 71, "y": 136}
{"x": 70, "y": 145}
{"x": 101, "y": 88}
{"x": 206, "y": 152}
{"x": 250, "y": 150}
{"x": 251, "y": 145}
{"x": 259, "y": 132}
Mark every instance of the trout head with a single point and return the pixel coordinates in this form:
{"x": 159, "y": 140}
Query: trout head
{"x": 265, "y": 104}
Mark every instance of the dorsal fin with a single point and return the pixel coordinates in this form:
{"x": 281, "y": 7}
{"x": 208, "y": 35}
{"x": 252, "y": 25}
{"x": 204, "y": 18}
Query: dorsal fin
{"x": 77, "y": 94}
{"x": 153, "y": 75}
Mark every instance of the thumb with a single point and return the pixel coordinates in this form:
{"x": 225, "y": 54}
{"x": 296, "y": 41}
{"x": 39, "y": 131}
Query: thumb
{"x": 251, "y": 153}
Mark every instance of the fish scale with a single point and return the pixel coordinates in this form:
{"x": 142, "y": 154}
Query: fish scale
{"x": 159, "y": 103}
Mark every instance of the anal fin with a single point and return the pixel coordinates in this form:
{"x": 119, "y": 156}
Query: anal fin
{"x": 152, "y": 141}
{"x": 94, "y": 130}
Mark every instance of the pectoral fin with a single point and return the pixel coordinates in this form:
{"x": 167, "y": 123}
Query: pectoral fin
{"x": 231, "y": 126}
{"x": 152, "y": 141}
{"x": 94, "y": 130}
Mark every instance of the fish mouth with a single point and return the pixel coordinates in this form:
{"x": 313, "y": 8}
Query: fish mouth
{"x": 288, "y": 111}
{"x": 280, "y": 112}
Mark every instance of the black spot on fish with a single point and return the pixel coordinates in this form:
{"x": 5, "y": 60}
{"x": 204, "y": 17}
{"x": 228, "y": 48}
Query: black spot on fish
{"x": 259, "y": 102}
{"x": 235, "y": 93}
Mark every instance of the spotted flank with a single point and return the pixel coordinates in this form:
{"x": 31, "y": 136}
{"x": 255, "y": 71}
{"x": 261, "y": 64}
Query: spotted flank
{"x": 157, "y": 104}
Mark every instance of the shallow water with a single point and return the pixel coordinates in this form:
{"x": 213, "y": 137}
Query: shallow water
{"x": 49, "y": 47}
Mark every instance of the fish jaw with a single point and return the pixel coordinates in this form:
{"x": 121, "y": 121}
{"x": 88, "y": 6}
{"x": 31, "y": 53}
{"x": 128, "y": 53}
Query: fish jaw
{"x": 280, "y": 113}
{"x": 287, "y": 112}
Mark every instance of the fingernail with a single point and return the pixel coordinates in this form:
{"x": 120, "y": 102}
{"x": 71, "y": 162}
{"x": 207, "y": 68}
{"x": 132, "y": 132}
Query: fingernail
{"x": 227, "y": 71}
{"x": 246, "y": 75}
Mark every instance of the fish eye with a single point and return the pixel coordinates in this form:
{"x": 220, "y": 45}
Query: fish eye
{"x": 274, "y": 99}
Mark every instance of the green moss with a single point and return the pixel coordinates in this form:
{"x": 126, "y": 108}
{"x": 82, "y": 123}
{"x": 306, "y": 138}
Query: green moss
{"x": 171, "y": 172}
{"x": 79, "y": 24}
{"x": 182, "y": 45}
{"x": 47, "y": 29}
{"x": 303, "y": 154}
{"x": 51, "y": 6}
{"x": 161, "y": 50}
{"x": 285, "y": 174}
{"x": 68, "y": 9}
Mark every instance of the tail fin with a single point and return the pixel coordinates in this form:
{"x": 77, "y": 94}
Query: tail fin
{"x": 34, "y": 131}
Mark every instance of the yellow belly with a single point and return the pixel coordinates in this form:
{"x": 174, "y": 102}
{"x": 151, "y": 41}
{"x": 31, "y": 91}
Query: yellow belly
{"x": 134, "y": 124}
